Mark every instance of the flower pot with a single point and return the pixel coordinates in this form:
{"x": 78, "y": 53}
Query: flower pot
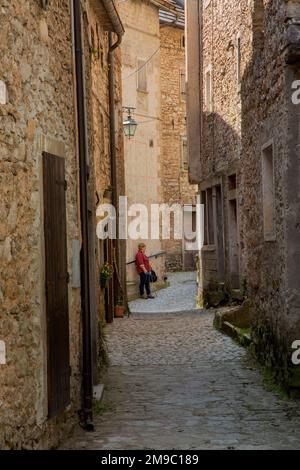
{"x": 103, "y": 282}
{"x": 119, "y": 311}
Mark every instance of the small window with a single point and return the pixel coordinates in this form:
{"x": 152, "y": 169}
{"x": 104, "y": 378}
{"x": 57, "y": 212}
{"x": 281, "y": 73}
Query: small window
{"x": 101, "y": 51}
{"x": 95, "y": 48}
{"x": 238, "y": 59}
{"x": 184, "y": 153}
{"x": 203, "y": 201}
{"x": 232, "y": 182}
{"x": 182, "y": 85}
{"x": 268, "y": 192}
{"x": 210, "y": 217}
{"x": 142, "y": 76}
{"x": 183, "y": 41}
{"x": 208, "y": 90}
{"x": 102, "y": 134}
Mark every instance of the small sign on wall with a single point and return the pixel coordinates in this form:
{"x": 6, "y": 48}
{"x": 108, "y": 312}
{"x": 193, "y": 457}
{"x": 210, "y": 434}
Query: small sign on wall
{"x": 2, "y": 353}
{"x": 3, "y": 93}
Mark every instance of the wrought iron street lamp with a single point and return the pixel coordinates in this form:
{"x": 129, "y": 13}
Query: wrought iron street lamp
{"x": 129, "y": 124}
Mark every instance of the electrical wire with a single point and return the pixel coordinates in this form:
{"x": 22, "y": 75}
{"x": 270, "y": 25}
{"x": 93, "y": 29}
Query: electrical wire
{"x": 142, "y": 66}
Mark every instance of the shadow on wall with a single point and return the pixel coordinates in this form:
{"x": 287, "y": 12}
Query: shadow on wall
{"x": 220, "y": 262}
{"x": 264, "y": 159}
{"x": 269, "y": 139}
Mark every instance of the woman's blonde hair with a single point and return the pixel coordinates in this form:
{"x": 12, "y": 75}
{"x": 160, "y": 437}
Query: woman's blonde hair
{"x": 141, "y": 246}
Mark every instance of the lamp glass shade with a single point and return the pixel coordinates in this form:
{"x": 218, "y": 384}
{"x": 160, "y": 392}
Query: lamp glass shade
{"x": 130, "y": 126}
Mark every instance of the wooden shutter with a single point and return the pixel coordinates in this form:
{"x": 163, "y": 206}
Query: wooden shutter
{"x": 142, "y": 75}
{"x": 56, "y": 276}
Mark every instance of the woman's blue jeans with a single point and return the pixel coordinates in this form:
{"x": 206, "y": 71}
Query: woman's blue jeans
{"x": 145, "y": 283}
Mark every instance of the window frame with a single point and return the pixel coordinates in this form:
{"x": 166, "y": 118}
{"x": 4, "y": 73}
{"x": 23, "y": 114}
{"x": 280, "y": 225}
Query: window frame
{"x": 269, "y": 236}
{"x": 143, "y": 69}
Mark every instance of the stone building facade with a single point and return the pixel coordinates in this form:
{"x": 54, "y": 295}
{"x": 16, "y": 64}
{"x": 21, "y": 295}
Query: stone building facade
{"x": 243, "y": 142}
{"x": 153, "y": 71}
{"x": 142, "y": 91}
{"x": 175, "y": 182}
{"x": 40, "y": 221}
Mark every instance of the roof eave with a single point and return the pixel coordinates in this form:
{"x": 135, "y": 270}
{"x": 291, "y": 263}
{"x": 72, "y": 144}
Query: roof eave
{"x": 164, "y": 5}
{"x": 172, "y": 25}
{"x": 108, "y": 7}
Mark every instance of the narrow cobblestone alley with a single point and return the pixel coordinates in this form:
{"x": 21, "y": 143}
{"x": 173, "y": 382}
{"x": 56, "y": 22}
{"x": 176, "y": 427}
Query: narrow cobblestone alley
{"x": 176, "y": 383}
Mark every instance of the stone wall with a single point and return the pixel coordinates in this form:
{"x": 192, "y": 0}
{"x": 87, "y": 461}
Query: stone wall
{"x": 37, "y": 113}
{"x": 36, "y": 68}
{"x": 245, "y": 48}
{"x": 175, "y": 184}
{"x": 270, "y": 116}
{"x": 99, "y": 132}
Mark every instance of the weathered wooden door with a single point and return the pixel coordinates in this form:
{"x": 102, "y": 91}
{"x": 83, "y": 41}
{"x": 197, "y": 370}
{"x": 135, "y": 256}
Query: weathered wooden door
{"x": 57, "y": 278}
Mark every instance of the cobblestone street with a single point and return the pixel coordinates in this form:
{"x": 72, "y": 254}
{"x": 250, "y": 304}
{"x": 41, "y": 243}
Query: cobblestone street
{"x": 176, "y": 383}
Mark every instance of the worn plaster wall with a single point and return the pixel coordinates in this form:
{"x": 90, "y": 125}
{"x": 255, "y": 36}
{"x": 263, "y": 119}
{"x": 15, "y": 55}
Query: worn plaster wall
{"x": 142, "y": 153}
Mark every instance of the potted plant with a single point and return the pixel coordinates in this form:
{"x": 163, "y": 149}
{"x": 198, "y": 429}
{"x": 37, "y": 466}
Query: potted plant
{"x": 108, "y": 193}
{"x": 119, "y": 309}
{"x": 105, "y": 274}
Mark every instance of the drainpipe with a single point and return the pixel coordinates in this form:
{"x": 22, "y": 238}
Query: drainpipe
{"x": 113, "y": 153}
{"x": 83, "y": 158}
{"x": 115, "y": 19}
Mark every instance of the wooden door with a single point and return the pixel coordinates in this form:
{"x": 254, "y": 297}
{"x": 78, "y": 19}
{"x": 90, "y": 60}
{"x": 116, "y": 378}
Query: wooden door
{"x": 57, "y": 278}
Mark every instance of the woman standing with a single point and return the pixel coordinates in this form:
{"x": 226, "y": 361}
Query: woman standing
{"x": 143, "y": 268}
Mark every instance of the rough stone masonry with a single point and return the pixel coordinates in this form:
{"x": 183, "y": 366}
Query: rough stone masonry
{"x": 38, "y": 114}
{"x": 244, "y": 155}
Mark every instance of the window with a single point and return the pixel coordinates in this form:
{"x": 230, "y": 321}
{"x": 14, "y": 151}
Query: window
{"x": 207, "y": 200}
{"x": 142, "y": 76}
{"x": 203, "y": 201}
{"x": 210, "y": 217}
{"x": 268, "y": 187}
{"x": 184, "y": 154}
{"x": 238, "y": 60}
{"x": 182, "y": 85}
{"x": 101, "y": 51}
{"x": 208, "y": 89}
{"x": 232, "y": 182}
{"x": 182, "y": 41}
{"x": 95, "y": 45}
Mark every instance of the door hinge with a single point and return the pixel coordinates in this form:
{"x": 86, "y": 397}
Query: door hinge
{"x": 68, "y": 278}
{"x": 65, "y": 185}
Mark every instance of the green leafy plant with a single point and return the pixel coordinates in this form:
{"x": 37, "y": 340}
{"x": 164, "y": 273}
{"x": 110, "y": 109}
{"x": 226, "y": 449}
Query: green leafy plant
{"x": 106, "y": 274}
{"x": 106, "y": 271}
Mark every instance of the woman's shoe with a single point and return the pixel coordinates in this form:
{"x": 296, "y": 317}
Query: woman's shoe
{"x": 150, "y": 297}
